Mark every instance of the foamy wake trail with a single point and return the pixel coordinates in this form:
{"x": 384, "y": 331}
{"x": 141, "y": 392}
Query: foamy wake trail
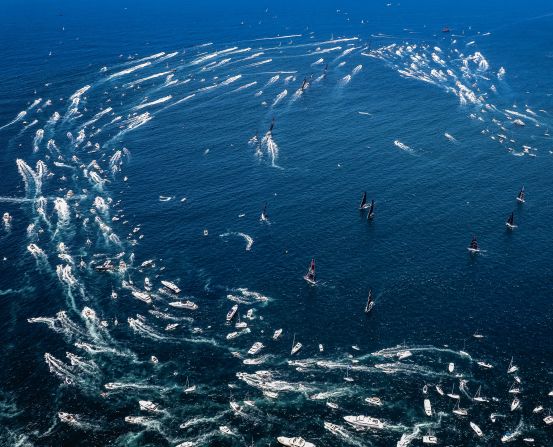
{"x": 257, "y": 64}
{"x": 247, "y": 238}
{"x": 210, "y": 56}
{"x": 129, "y": 70}
{"x": 153, "y": 103}
{"x": 402, "y": 146}
{"x": 272, "y": 80}
{"x": 345, "y": 80}
{"x": 279, "y": 97}
{"x": 356, "y": 70}
{"x": 231, "y": 79}
{"x": 32, "y": 179}
{"x": 450, "y": 137}
{"x": 19, "y": 117}
{"x": 318, "y": 61}
{"x": 244, "y": 296}
{"x": 143, "y": 329}
{"x": 245, "y": 86}
{"x": 326, "y": 50}
{"x": 37, "y": 139}
{"x": 272, "y": 148}
{"x": 147, "y": 78}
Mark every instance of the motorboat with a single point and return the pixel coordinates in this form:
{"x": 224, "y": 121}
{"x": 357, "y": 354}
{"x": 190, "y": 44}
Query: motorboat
{"x": 332, "y": 405}
{"x": 529, "y": 440}
{"x": 113, "y": 294}
{"x": 277, "y": 334}
{"x": 147, "y": 284}
{"x": 231, "y": 313}
{"x": 439, "y": 390}
{"x": 374, "y": 401}
{"x": 548, "y": 420}
{"x": 6, "y": 218}
{"x": 232, "y": 335}
{"x": 234, "y": 406}
{"x": 154, "y": 360}
{"x": 401, "y": 355}
{"x": 537, "y": 409}
{"x": 240, "y": 324}
{"x": 355, "y": 348}
{"x": 106, "y": 266}
{"x": 171, "y": 326}
{"x": 508, "y": 437}
{"x": 147, "y": 405}
{"x": 451, "y": 367}
{"x": 335, "y": 429}
{"x": 256, "y": 347}
{"x": 429, "y": 439}
{"x": 249, "y": 314}
{"x": 142, "y": 296}
{"x": 425, "y": 389}
{"x": 484, "y": 365}
{"x": 476, "y": 429}
{"x": 184, "y": 305}
{"x": 225, "y": 430}
{"x": 294, "y": 442}
{"x": 364, "y": 421}
{"x": 89, "y": 313}
{"x": 515, "y": 404}
{"x": 427, "y": 407}
{"x": 321, "y": 348}
{"x": 67, "y": 417}
{"x": 172, "y": 287}
{"x": 138, "y": 420}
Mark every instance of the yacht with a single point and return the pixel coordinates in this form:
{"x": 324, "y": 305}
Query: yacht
{"x": 332, "y": 405}
{"x": 460, "y": 411}
{"x": 429, "y": 439}
{"x": 142, "y": 296}
{"x": 231, "y": 313}
{"x": 294, "y": 442}
{"x": 476, "y": 429}
{"x": 512, "y": 367}
{"x": 184, "y": 305}
{"x": 310, "y": 276}
{"x": 478, "y": 398}
{"x": 225, "y": 430}
{"x": 240, "y": 324}
{"x": 515, "y": 404}
{"x": 439, "y": 390}
{"x": 537, "y": 409}
{"x": 7, "y": 218}
{"x": 321, "y": 347}
{"x": 249, "y": 314}
{"x": 170, "y": 286}
{"x": 508, "y": 437}
{"x": 154, "y": 360}
{"x": 140, "y": 420}
{"x": 347, "y": 378}
{"x": 451, "y": 367}
{"x": 232, "y": 335}
{"x": 171, "y": 326}
{"x": 374, "y": 401}
{"x": 484, "y": 365}
{"x": 514, "y": 389}
{"x": 147, "y": 284}
{"x": 427, "y": 407}
{"x": 147, "y": 405}
{"x": 295, "y": 346}
{"x": 256, "y": 347}
{"x": 473, "y": 247}
{"x": 335, "y": 429}
{"x": 548, "y": 420}
{"x": 113, "y": 294}
{"x": 370, "y": 302}
{"x": 234, "y": 406}
{"x": 453, "y": 395}
{"x": 277, "y": 334}
{"x": 401, "y": 355}
{"x": 364, "y": 421}
{"x": 521, "y": 196}
{"x": 189, "y": 388}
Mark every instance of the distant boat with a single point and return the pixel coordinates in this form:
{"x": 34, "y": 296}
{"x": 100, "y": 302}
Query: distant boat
{"x": 515, "y": 403}
{"x": 370, "y": 214}
{"x": 310, "y": 276}
{"x": 364, "y": 421}
{"x": 256, "y": 347}
{"x": 277, "y": 334}
{"x": 321, "y": 347}
{"x": 484, "y": 365}
{"x": 508, "y": 437}
{"x": 439, "y": 390}
{"x": 521, "y": 196}
{"x": 478, "y": 398}
{"x": 264, "y": 216}
{"x": 511, "y": 221}
{"x": 512, "y": 367}
{"x": 295, "y": 346}
{"x": 370, "y": 302}
{"x": 453, "y": 395}
{"x": 170, "y": 286}
{"x": 476, "y": 429}
{"x": 473, "y": 247}
{"x": 445, "y": 29}
{"x": 363, "y": 203}
{"x": 347, "y": 378}
{"x": 451, "y": 367}
{"x": 427, "y": 407}
{"x": 548, "y": 420}
{"x": 231, "y": 313}
{"x": 460, "y": 411}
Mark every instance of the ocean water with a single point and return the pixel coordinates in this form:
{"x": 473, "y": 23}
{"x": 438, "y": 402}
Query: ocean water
{"x": 156, "y": 117}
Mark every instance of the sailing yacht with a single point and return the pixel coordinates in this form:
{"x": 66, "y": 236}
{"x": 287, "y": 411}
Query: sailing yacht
{"x": 188, "y": 388}
{"x": 473, "y": 247}
{"x": 521, "y": 196}
{"x": 295, "y": 346}
{"x": 460, "y": 411}
{"x": 264, "y": 216}
{"x": 363, "y": 204}
{"x": 370, "y": 214}
{"x": 514, "y": 389}
{"x": 512, "y": 367}
{"x": 452, "y": 394}
{"x": 347, "y": 378}
{"x": 364, "y": 421}
{"x": 478, "y": 398}
{"x": 510, "y": 224}
{"x": 370, "y": 302}
{"x": 310, "y": 276}
{"x": 240, "y": 324}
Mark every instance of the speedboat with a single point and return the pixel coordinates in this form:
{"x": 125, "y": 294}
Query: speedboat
{"x": 548, "y": 420}
{"x": 106, "y": 266}
{"x": 140, "y": 420}
{"x": 355, "y": 348}
{"x": 249, "y": 314}
{"x": 370, "y": 302}
{"x": 515, "y": 404}
{"x": 154, "y": 360}
{"x": 172, "y": 287}
{"x": 332, "y": 405}
{"x": 321, "y": 347}
{"x": 67, "y": 417}
{"x": 484, "y": 365}
{"x": 477, "y": 335}
{"x": 439, "y": 390}
{"x": 374, "y": 401}
{"x": 508, "y": 437}
{"x": 113, "y": 294}
{"x": 404, "y": 354}
{"x": 429, "y": 439}
{"x": 425, "y": 389}
{"x": 147, "y": 405}
{"x": 234, "y": 406}
{"x": 256, "y": 347}
{"x": 538, "y": 409}
{"x": 364, "y": 421}
{"x": 460, "y": 411}
{"x": 512, "y": 367}
{"x": 277, "y": 334}
{"x": 427, "y": 407}
{"x": 142, "y": 296}
{"x": 88, "y": 313}
{"x": 171, "y": 326}
{"x": 232, "y": 335}
{"x": 451, "y": 367}
{"x": 231, "y": 313}
{"x": 335, "y": 429}
{"x": 225, "y": 430}
{"x": 294, "y": 442}
{"x": 184, "y": 305}
{"x": 147, "y": 284}
{"x": 529, "y": 440}
{"x": 476, "y": 429}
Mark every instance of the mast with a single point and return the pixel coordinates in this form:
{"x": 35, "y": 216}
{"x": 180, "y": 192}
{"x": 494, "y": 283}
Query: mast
{"x": 520, "y": 196}
{"x": 370, "y": 215}
{"x": 474, "y": 243}
{"x": 363, "y": 200}
{"x": 511, "y": 219}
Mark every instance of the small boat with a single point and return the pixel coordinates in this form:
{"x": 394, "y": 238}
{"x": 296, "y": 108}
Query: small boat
{"x": 425, "y": 389}
{"x": 106, "y": 266}
{"x": 427, "y": 407}
{"x": 171, "y": 326}
{"x": 515, "y": 404}
{"x": 335, "y": 429}
{"x": 67, "y": 417}
{"x": 277, "y": 334}
{"x": 184, "y": 305}
{"x": 232, "y": 335}
{"x": 476, "y": 429}
{"x": 264, "y": 216}
{"x": 451, "y": 367}
{"x": 477, "y": 335}
{"x": 439, "y": 390}
{"x": 550, "y": 394}
{"x": 310, "y": 276}
{"x": 445, "y": 29}
{"x": 529, "y": 440}
{"x": 473, "y": 247}
{"x": 514, "y": 389}
{"x": 374, "y": 401}
{"x": 548, "y": 420}
{"x": 113, "y": 294}
{"x": 460, "y": 411}
{"x": 139, "y": 420}
{"x": 321, "y": 348}
{"x": 364, "y": 421}
{"x": 154, "y": 360}
{"x": 206, "y": 233}
{"x": 478, "y": 398}
{"x": 249, "y": 314}
{"x": 370, "y": 302}
{"x": 249, "y": 403}
{"x": 429, "y": 439}
{"x": 235, "y": 407}
{"x": 512, "y": 367}
{"x": 484, "y": 365}
{"x": 295, "y": 346}
{"x": 240, "y": 324}
{"x": 7, "y": 218}
{"x": 521, "y": 196}
{"x": 189, "y": 388}
{"x": 370, "y": 214}
{"x": 332, "y": 405}
{"x": 142, "y": 296}
{"x": 148, "y": 405}
{"x": 294, "y": 442}
{"x": 452, "y": 394}
{"x": 363, "y": 203}
{"x": 225, "y": 430}
{"x": 510, "y": 223}
{"x": 404, "y": 354}
{"x": 147, "y": 284}
{"x": 537, "y": 409}
{"x": 256, "y": 347}
{"x": 231, "y": 313}
{"x": 270, "y": 394}
{"x": 172, "y": 287}
{"x": 508, "y": 437}
{"x": 355, "y": 348}
{"x": 347, "y": 378}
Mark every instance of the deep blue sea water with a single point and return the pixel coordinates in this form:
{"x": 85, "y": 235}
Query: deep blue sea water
{"x": 157, "y": 108}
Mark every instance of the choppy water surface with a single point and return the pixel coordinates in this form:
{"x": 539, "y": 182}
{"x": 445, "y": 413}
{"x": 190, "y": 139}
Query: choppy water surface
{"x": 159, "y": 159}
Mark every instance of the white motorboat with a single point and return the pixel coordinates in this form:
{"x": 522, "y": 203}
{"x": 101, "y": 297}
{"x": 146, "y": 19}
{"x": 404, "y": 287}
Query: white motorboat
{"x": 67, "y": 417}
{"x": 335, "y": 429}
{"x": 364, "y": 421}
{"x": 294, "y": 442}
{"x": 138, "y": 420}
{"x": 476, "y": 429}
{"x": 172, "y": 287}
{"x": 154, "y": 360}
{"x": 429, "y": 439}
{"x": 147, "y": 284}
{"x": 451, "y": 367}
{"x": 537, "y": 409}
{"x": 484, "y": 365}
{"x": 148, "y": 405}
{"x": 190, "y": 305}
{"x": 550, "y": 394}
{"x": 225, "y": 430}
{"x": 439, "y": 390}
{"x": 529, "y": 440}
{"x": 277, "y": 334}
{"x": 171, "y": 326}
{"x": 321, "y": 348}
{"x": 478, "y": 398}
{"x": 89, "y": 313}
{"x": 249, "y": 314}
{"x": 548, "y": 420}
{"x": 142, "y": 296}
{"x": 231, "y": 313}
{"x": 374, "y": 401}
{"x": 512, "y": 367}
{"x": 332, "y": 405}
{"x": 256, "y": 347}
{"x": 427, "y": 407}
{"x": 232, "y": 335}
{"x": 453, "y": 395}
{"x": 355, "y": 348}
{"x": 270, "y": 394}
{"x": 515, "y": 404}
{"x": 249, "y": 403}
{"x": 460, "y": 411}
{"x": 295, "y": 346}
{"x": 477, "y": 335}
{"x": 234, "y": 406}
{"x": 401, "y": 355}
{"x": 508, "y": 437}
{"x": 113, "y": 294}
